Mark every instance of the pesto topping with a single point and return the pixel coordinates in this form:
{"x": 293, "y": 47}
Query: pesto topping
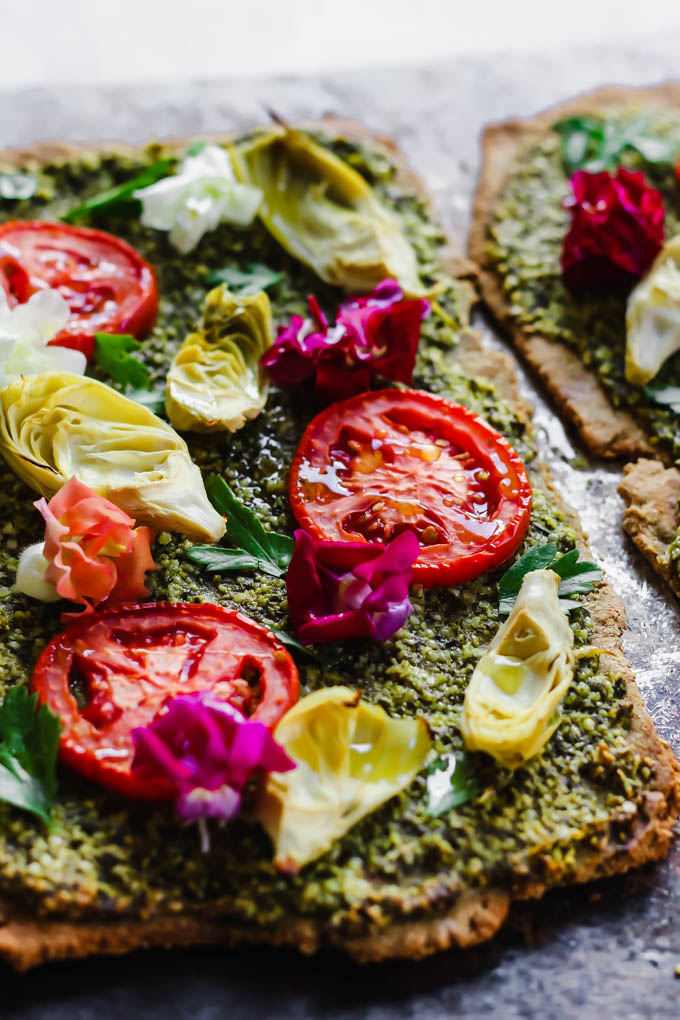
{"x": 113, "y": 856}
{"x": 526, "y": 235}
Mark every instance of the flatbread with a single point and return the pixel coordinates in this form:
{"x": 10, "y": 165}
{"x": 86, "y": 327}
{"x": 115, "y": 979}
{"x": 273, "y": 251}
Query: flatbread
{"x": 27, "y": 940}
{"x": 606, "y": 431}
{"x": 651, "y": 493}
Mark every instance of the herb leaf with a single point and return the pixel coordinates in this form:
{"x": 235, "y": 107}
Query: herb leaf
{"x": 154, "y": 400}
{"x": 17, "y": 186}
{"x": 219, "y": 560}
{"x": 266, "y": 550}
{"x": 290, "y": 642}
{"x": 196, "y": 148}
{"x": 28, "y": 753}
{"x": 112, "y": 353}
{"x": 595, "y": 144}
{"x": 452, "y": 781}
{"x": 249, "y": 281}
{"x": 578, "y": 576}
{"x": 121, "y": 193}
{"x": 539, "y": 557}
{"x": 666, "y": 396}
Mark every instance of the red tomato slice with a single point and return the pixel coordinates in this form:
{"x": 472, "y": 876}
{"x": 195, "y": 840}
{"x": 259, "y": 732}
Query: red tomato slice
{"x": 114, "y": 670}
{"x": 388, "y": 461}
{"x": 108, "y": 286}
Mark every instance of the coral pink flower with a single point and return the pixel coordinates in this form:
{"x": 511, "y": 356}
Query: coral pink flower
{"x": 616, "y": 232}
{"x": 92, "y": 548}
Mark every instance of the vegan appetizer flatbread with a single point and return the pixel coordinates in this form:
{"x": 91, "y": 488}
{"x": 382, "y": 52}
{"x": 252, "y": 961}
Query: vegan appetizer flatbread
{"x": 316, "y": 642}
{"x": 591, "y": 304}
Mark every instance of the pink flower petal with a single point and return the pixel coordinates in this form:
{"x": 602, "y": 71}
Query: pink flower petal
{"x": 375, "y": 334}
{"x": 92, "y": 549}
{"x": 133, "y": 566}
{"x": 616, "y": 231}
{"x": 208, "y": 751}
{"x": 341, "y": 590}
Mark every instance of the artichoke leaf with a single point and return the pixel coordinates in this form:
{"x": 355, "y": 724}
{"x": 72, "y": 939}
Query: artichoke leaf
{"x": 350, "y": 756}
{"x": 511, "y": 703}
{"x": 653, "y": 317}
{"x": 56, "y": 425}
{"x": 215, "y": 381}
{"x": 324, "y": 213}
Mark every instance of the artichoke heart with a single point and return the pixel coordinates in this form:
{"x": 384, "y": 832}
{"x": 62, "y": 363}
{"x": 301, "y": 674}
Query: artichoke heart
{"x": 350, "y": 758}
{"x": 215, "y": 381}
{"x": 653, "y": 317}
{"x": 56, "y": 425}
{"x": 324, "y": 213}
{"x": 511, "y": 703}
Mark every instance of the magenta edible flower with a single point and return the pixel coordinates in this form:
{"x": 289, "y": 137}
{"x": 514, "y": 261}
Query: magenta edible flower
{"x": 342, "y": 590}
{"x": 207, "y": 751}
{"x": 616, "y": 232}
{"x": 375, "y": 334}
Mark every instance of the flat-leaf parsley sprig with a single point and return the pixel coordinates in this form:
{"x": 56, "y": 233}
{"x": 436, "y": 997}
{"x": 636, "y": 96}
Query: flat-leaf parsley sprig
{"x": 578, "y": 576}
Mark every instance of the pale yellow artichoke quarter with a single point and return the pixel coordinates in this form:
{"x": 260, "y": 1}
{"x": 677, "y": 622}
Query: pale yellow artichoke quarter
{"x": 216, "y": 382}
{"x": 56, "y": 425}
{"x": 511, "y": 703}
{"x": 324, "y": 213}
{"x": 653, "y": 317}
{"x": 350, "y": 756}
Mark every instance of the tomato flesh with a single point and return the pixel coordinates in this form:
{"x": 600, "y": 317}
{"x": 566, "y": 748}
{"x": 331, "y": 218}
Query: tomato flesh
{"x": 114, "y": 670}
{"x": 107, "y": 285}
{"x": 384, "y": 462}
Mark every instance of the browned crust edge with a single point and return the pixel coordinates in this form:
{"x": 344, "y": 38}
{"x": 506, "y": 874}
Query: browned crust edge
{"x": 27, "y": 940}
{"x": 651, "y": 493}
{"x": 576, "y": 391}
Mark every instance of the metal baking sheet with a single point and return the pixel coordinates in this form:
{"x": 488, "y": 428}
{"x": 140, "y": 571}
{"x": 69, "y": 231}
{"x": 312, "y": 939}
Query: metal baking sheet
{"x": 612, "y": 946}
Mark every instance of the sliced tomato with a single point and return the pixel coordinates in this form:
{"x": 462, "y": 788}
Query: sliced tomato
{"x": 106, "y": 283}
{"x": 389, "y": 461}
{"x": 114, "y": 670}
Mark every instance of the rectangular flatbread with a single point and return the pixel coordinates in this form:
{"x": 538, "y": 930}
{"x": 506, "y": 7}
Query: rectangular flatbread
{"x": 603, "y": 797}
{"x": 562, "y": 357}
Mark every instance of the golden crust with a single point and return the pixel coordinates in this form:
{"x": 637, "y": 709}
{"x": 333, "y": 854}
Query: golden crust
{"x": 27, "y": 940}
{"x": 651, "y": 493}
{"x": 607, "y": 432}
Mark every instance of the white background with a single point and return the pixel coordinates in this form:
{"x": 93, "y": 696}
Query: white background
{"x": 48, "y": 42}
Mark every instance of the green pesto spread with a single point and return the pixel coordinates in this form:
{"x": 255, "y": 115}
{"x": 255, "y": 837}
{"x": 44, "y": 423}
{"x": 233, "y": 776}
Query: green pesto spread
{"x": 525, "y": 243}
{"x": 111, "y": 856}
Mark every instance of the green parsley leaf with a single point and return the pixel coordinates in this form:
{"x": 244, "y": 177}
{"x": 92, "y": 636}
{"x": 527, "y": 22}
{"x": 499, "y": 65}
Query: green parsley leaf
{"x": 219, "y": 560}
{"x": 578, "y": 576}
{"x": 266, "y": 550}
{"x": 666, "y": 396}
{"x": 122, "y": 193}
{"x": 451, "y": 781}
{"x": 290, "y": 642}
{"x": 595, "y": 144}
{"x": 539, "y": 557}
{"x": 112, "y": 353}
{"x": 17, "y": 186}
{"x": 246, "y": 281}
{"x": 196, "y": 148}
{"x": 154, "y": 400}
{"x": 28, "y": 753}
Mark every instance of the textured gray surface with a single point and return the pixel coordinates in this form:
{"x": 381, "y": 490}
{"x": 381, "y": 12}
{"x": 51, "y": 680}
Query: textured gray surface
{"x": 608, "y": 948}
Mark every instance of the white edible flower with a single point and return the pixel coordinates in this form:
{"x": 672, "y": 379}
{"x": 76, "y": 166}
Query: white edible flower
{"x": 25, "y": 331}
{"x": 203, "y": 194}
{"x": 653, "y": 317}
{"x": 31, "y": 575}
